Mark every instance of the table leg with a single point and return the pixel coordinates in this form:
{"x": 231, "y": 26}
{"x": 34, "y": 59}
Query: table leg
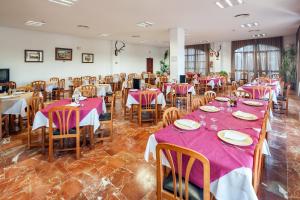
{"x": 91, "y": 130}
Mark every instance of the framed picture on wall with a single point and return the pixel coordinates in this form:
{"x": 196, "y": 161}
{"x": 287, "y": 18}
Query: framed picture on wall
{"x": 63, "y": 54}
{"x": 33, "y": 55}
{"x": 87, "y": 58}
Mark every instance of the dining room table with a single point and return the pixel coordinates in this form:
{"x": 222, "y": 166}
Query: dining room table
{"x": 15, "y": 104}
{"x": 90, "y": 110}
{"x": 134, "y": 97}
{"x": 168, "y": 87}
{"x": 211, "y": 81}
{"x": 101, "y": 89}
{"x": 231, "y": 166}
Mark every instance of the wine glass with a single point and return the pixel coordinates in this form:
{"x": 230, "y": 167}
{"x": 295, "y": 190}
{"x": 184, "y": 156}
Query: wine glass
{"x": 202, "y": 121}
{"x": 221, "y": 106}
{"x": 213, "y": 125}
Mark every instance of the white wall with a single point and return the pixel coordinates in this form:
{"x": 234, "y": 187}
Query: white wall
{"x": 13, "y": 42}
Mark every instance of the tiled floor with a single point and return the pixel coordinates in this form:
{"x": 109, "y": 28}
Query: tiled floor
{"x": 117, "y": 170}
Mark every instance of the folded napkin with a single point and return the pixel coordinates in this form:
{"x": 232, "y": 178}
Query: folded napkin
{"x": 244, "y": 114}
{"x": 234, "y": 136}
{"x": 210, "y": 108}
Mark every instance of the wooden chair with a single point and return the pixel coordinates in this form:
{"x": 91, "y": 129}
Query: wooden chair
{"x": 242, "y": 94}
{"x": 260, "y": 92}
{"x": 4, "y": 120}
{"x": 63, "y": 114}
{"x": 234, "y": 86}
{"x": 36, "y": 104}
{"x": 145, "y": 105}
{"x": 107, "y": 118}
{"x": 197, "y": 102}
{"x": 85, "y": 80}
{"x": 54, "y": 79}
{"x": 209, "y": 96}
{"x": 77, "y": 82}
{"x": 283, "y": 102}
{"x": 24, "y": 89}
{"x": 181, "y": 94}
{"x": 61, "y": 87}
{"x": 40, "y": 86}
{"x": 125, "y": 92}
{"x": 89, "y": 91}
{"x": 93, "y": 80}
{"x": 12, "y": 85}
{"x": 170, "y": 116}
{"x": 176, "y": 185}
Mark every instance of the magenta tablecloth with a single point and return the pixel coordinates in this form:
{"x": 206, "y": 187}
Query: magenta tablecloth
{"x": 215, "y": 80}
{"x": 250, "y": 88}
{"x": 86, "y": 106}
{"x": 173, "y": 85}
{"x": 136, "y": 96}
{"x": 223, "y": 158}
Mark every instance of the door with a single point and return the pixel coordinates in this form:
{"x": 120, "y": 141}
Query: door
{"x": 150, "y": 65}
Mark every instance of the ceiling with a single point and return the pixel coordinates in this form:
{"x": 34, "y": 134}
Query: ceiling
{"x": 201, "y": 19}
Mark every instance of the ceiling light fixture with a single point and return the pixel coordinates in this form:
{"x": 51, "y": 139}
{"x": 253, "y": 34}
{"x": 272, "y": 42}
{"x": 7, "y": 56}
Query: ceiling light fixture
{"x": 63, "y": 2}
{"x": 259, "y": 35}
{"x": 135, "y": 36}
{"x": 103, "y": 35}
{"x": 145, "y": 24}
{"x": 242, "y": 15}
{"x": 35, "y": 23}
{"x": 83, "y": 26}
{"x": 228, "y": 3}
{"x": 249, "y": 25}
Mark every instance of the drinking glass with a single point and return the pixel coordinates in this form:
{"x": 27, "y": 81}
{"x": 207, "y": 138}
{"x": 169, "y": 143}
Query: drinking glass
{"x": 213, "y": 125}
{"x": 202, "y": 121}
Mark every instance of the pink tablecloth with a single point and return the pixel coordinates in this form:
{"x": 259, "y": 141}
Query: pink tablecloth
{"x": 223, "y": 158}
{"x": 86, "y": 106}
{"x": 173, "y": 85}
{"x": 250, "y": 88}
{"x": 215, "y": 80}
{"x": 136, "y": 96}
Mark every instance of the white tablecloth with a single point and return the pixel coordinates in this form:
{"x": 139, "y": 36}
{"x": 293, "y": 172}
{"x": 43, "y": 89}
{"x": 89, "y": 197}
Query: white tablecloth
{"x": 91, "y": 119}
{"x": 211, "y": 83}
{"x": 18, "y": 108}
{"x": 160, "y": 100}
{"x": 103, "y": 89}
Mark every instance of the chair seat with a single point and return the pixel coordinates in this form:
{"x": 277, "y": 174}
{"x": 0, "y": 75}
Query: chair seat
{"x": 195, "y": 193}
{"x": 71, "y": 131}
{"x": 151, "y": 107}
{"x": 105, "y": 117}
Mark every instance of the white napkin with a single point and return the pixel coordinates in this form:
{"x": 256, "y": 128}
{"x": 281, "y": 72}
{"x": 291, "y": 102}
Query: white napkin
{"x": 234, "y": 136}
{"x": 82, "y": 98}
{"x": 243, "y": 114}
{"x": 133, "y": 90}
{"x": 73, "y": 104}
{"x": 186, "y": 123}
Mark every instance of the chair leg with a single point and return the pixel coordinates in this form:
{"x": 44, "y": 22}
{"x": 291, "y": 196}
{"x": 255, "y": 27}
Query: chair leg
{"x": 43, "y": 139}
{"x": 91, "y": 130}
{"x": 78, "y": 146}
{"x": 50, "y": 156}
{"x": 29, "y": 138}
{"x": 111, "y": 130}
{"x": 140, "y": 116}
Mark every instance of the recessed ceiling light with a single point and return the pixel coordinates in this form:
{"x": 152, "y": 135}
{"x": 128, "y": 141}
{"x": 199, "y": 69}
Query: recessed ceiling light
{"x": 259, "y": 35}
{"x": 83, "y": 26}
{"x": 145, "y": 24}
{"x": 228, "y": 3}
{"x": 254, "y": 30}
{"x": 35, "y": 23}
{"x": 63, "y": 2}
{"x": 103, "y": 35}
{"x": 249, "y": 25}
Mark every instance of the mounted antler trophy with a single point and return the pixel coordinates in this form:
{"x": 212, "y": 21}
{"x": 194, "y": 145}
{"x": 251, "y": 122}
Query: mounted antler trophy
{"x": 117, "y": 49}
{"x": 216, "y": 53}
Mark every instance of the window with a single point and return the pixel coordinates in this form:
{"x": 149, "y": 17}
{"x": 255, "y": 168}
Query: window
{"x": 256, "y": 57}
{"x": 196, "y": 59}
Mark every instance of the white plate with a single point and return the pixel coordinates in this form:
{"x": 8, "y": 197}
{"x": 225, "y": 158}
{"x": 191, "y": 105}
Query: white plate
{"x": 253, "y": 103}
{"x": 235, "y": 137}
{"x": 187, "y": 124}
{"x": 223, "y": 99}
{"x": 133, "y": 90}
{"x": 209, "y": 108}
{"x": 244, "y": 115}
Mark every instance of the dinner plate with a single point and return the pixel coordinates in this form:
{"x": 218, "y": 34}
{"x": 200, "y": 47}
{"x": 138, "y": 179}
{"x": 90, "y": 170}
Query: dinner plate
{"x": 133, "y": 90}
{"x": 209, "y": 108}
{"x": 223, "y": 99}
{"x": 235, "y": 137}
{"x": 244, "y": 115}
{"x": 253, "y": 103}
{"x": 187, "y": 124}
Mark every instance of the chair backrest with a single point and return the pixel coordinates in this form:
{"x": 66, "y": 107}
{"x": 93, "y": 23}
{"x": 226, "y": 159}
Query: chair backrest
{"x": 12, "y": 85}
{"x": 210, "y": 95}
{"x": 258, "y": 158}
{"x": 88, "y": 91}
{"x": 77, "y": 82}
{"x": 242, "y": 94}
{"x": 163, "y": 79}
{"x": 181, "y": 90}
{"x": 170, "y": 115}
{"x": 122, "y": 76}
{"x": 24, "y": 89}
{"x": 64, "y": 115}
{"x": 62, "y": 83}
{"x": 180, "y": 153}
{"x": 35, "y": 104}
{"x": 234, "y": 85}
{"x": 259, "y": 92}
{"x": 108, "y": 79}
{"x": 93, "y": 80}
{"x": 197, "y": 102}
{"x": 146, "y": 98}
{"x": 39, "y": 85}
{"x": 54, "y": 79}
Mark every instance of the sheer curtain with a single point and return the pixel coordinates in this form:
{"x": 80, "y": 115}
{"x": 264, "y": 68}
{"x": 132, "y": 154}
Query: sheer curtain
{"x": 256, "y": 57}
{"x": 197, "y": 58}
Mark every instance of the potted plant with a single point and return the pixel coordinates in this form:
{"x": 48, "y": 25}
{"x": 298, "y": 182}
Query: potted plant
{"x": 164, "y": 66}
{"x": 223, "y": 73}
{"x": 288, "y": 70}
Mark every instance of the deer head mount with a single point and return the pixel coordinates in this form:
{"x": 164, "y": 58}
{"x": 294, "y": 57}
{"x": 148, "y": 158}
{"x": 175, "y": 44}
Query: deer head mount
{"x": 119, "y": 49}
{"x": 216, "y": 52}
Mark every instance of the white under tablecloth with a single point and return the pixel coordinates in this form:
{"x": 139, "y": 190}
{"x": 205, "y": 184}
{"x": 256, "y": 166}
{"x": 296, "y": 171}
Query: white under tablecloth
{"x": 160, "y": 100}
{"x": 18, "y": 108}
{"x": 103, "y": 89}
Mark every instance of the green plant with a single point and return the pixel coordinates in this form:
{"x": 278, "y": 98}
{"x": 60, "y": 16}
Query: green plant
{"x": 223, "y": 73}
{"x": 288, "y": 70}
{"x": 164, "y": 66}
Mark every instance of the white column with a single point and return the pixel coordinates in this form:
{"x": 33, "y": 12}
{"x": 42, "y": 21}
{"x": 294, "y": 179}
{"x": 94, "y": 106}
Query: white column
{"x": 177, "y": 57}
